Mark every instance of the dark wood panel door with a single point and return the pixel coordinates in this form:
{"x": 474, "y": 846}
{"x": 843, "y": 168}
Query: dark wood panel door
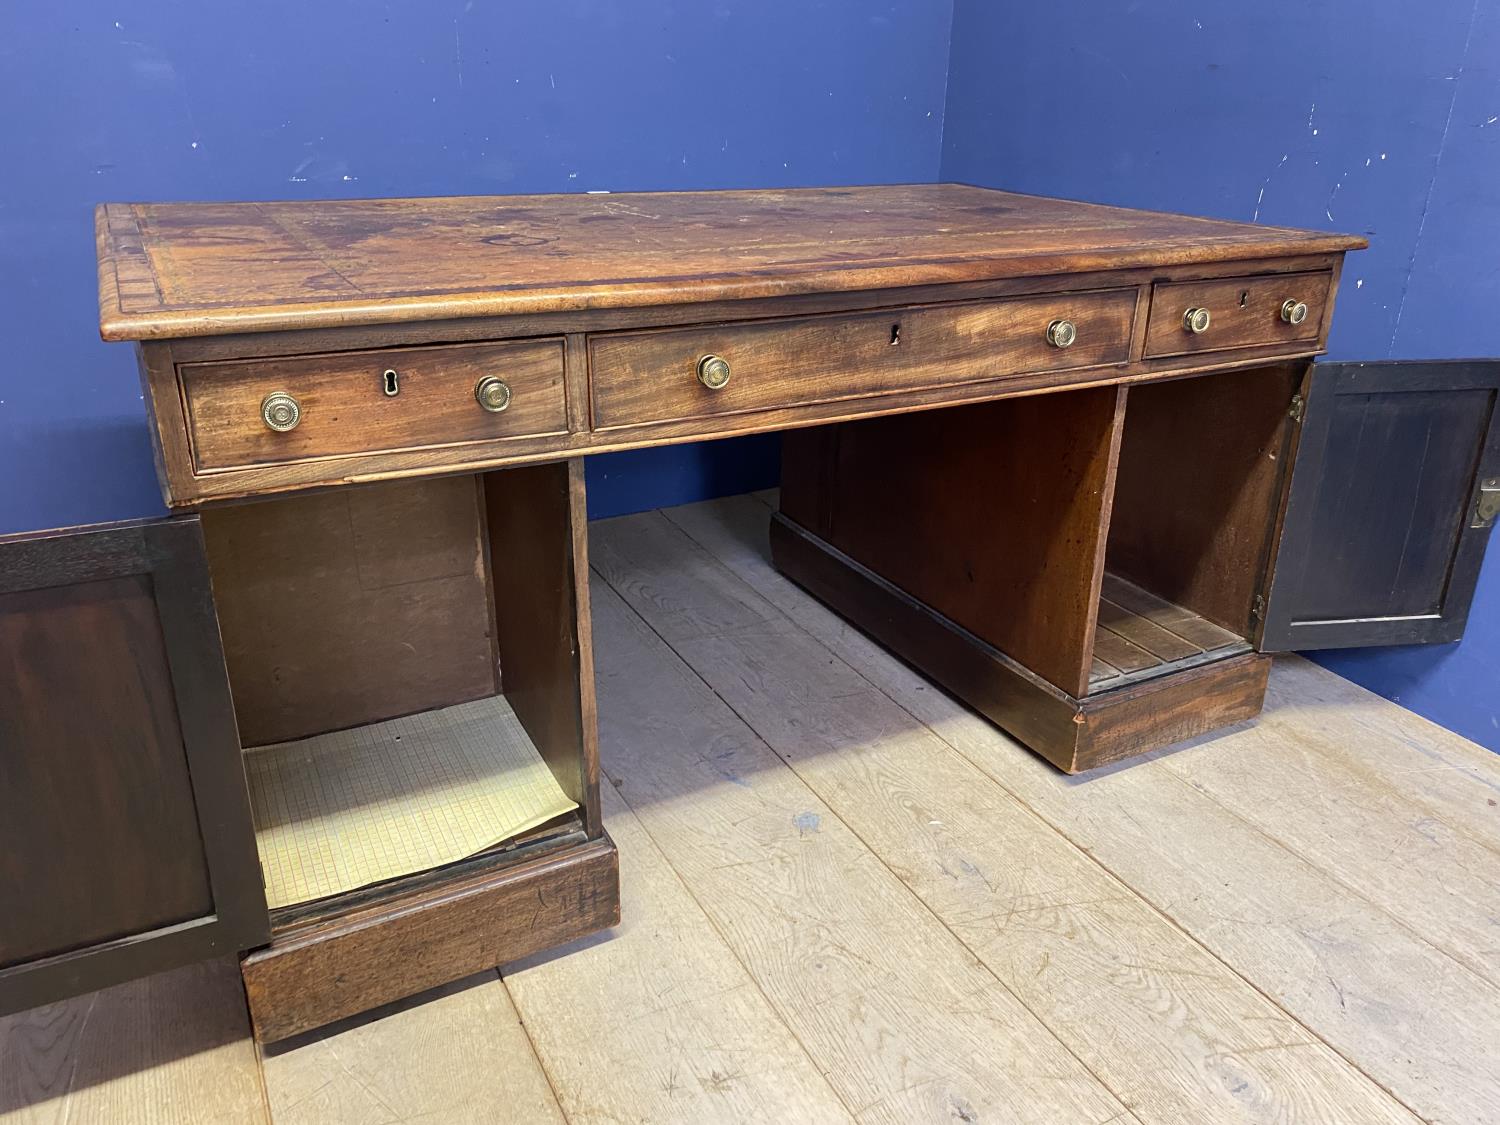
{"x": 125, "y": 837}
{"x": 1386, "y": 520}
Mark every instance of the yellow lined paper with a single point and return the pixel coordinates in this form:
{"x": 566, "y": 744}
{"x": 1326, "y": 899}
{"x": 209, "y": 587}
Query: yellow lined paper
{"x": 347, "y": 809}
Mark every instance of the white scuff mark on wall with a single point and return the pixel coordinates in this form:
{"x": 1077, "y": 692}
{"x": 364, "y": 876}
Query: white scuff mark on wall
{"x": 1488, "y": 121}
{"x": 1261, "y": 197}
{"x": 458, "y": 48}
{"x": 1328, "y": 207}
{"x": 1359, "y": 283}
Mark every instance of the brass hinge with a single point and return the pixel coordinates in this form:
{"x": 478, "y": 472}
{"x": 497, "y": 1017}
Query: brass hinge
{"x": 1258, "y": 607}
{"x": 1487, "y": 507}
{"x": 1297, "y": 408}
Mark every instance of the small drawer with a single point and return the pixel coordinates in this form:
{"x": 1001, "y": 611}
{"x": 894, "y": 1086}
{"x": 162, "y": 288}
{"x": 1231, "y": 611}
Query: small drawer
{"x": 1242, "y": 312}
{"x": 640, "y": 377}
{"x": 344, "y": 402}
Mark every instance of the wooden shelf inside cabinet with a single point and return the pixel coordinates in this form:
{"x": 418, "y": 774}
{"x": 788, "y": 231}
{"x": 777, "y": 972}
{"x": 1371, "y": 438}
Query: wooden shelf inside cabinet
{"x": 1139, "y": 636}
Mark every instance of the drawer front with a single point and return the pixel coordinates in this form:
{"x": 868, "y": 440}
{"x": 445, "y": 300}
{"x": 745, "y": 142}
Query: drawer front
{"x": 344, "y": 407}
{"x": 1243, "y": 312}
{"x": 651, "y": 376}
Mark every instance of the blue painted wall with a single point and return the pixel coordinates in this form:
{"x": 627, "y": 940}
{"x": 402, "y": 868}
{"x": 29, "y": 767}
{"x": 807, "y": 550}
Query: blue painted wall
{"x": 1377, "y": 116}
{"x": 161, "y": 100}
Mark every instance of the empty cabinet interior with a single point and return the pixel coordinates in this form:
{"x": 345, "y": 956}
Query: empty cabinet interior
{"x": 1087, "y": 568}
{"x": 403, "y": 659}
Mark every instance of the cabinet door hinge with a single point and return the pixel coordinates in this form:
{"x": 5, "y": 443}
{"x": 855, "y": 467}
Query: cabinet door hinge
{"x": 1297, "y": 408}
{"x": 1258, "y": 607}
{"x": 1487, "y": 507}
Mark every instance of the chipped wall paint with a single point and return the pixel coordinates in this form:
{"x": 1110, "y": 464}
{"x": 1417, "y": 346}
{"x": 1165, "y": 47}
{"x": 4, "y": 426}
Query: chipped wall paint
{"x": 274, "y": 100}
{"x": 1374, "y": 116}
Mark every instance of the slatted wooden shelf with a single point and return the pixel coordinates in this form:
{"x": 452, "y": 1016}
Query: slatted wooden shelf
{"x": 1140, "y": 636}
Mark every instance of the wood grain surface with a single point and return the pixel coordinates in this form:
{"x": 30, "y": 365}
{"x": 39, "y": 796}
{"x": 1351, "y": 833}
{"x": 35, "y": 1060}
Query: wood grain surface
{"x": 1203, "y": 468}
{"x": 1285, "y": 923}
{"x": 188, "y": 269}
{"x": 995, "y": 515}
{"x": 661, "y": 1021}
{"x": 345, "y": 409}
{"x": 906, "y": 1024}
{"x": 357, "y": 961}
{"x": 168, "y": 1049}
{"x": 345, "y": 608}
{"x": 641, "y": 377}
{"x": 97, "y": 815}
{"x": 1189, "y": 1041}
{"x": 457, "y": 1054}
{"x": 1377, "y": 991}
{"x": 1243, "y": 311}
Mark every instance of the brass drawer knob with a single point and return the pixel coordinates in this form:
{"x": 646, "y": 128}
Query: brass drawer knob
{"x": 1196, "y": 320}
{"x": 1293, "y": 311}
{"x": 493, "y": 394}
{"x": 1062, "y": 333}
{"x": 713, "y": 372}
{"x": 280, "y": 412}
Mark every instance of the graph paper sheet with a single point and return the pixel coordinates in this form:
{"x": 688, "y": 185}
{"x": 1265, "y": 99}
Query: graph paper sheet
{"x": 356, "y": 807}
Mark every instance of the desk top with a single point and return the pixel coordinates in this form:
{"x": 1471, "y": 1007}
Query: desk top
{"x": 173, "y": 270}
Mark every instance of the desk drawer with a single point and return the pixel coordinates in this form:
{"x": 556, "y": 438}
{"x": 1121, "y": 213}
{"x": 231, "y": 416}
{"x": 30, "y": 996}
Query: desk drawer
{"x": 1242, "y": 311}
{"x": 651, "y": 376}
{"x": 345, "y": 408}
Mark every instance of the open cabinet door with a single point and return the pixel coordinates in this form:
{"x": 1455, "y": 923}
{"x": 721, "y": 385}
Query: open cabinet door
{"x": 125, "y": 838}
{"x": 1394, "y": 489}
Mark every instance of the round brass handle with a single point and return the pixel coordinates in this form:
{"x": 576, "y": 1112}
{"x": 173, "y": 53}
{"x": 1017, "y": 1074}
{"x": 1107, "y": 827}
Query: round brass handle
{"x": 713, "y": 372}
{"x": 1293, "y": 311}
{"x": 1062, "y": 333}
{"x": 492, "y": 393}
{"x": 1196, "y": 320}
{"x": 280, "y": 411}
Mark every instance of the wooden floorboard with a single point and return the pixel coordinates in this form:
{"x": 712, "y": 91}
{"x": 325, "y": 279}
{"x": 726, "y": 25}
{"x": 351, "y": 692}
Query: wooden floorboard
{"x": 171, "y": 1048}
{"x": 905, "y": 1022}
{"x": 1395, "y": 1003}
{"x": 1187, "y": 1039}
{"x": 1309, "y": 787}
{"x": 1388, "y": 747}
{"x": 846, "y": 897}
{"x": 658, "y": 1021}
{"x": 457, "y": 1055}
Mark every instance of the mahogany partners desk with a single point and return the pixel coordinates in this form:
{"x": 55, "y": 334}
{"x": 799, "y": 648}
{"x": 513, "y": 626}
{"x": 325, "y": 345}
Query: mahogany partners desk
{"x": 377, "y": 410}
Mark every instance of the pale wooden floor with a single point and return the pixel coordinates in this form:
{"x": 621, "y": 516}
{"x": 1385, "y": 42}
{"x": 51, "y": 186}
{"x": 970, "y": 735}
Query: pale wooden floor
{"x": 847, "y": 897}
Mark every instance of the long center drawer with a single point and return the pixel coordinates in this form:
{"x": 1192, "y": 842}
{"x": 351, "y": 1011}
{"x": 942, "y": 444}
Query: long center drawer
{"x": 647, "y": 376}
